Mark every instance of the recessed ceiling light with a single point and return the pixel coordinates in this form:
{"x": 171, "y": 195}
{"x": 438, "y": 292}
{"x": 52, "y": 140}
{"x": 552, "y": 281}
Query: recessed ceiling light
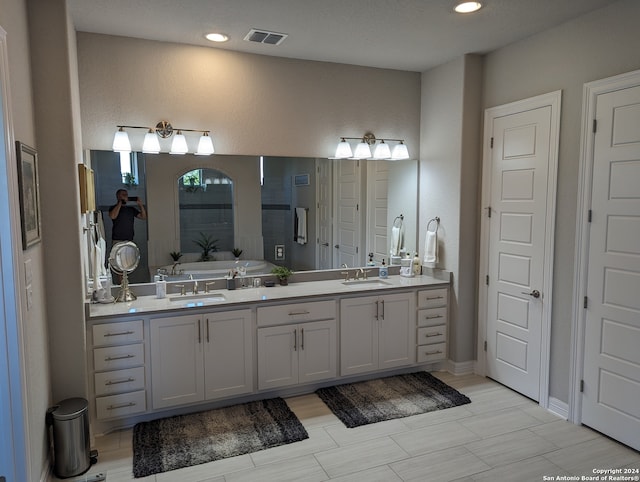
{"x": 217, "y": 37}
{"x": 468, "y": 7}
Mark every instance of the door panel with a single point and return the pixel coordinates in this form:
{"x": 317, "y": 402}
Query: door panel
{"x": 325, "y": 211}
{"x": 519, "y": 193}
{"x": 347, "y": 212}
{"x": 612, "y": 328}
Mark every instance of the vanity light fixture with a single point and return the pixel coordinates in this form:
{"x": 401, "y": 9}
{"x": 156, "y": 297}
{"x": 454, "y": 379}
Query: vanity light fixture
{"x": 382, "y": 149}
{"x": 468, "y": 7}
{"x": 163, "y": 130}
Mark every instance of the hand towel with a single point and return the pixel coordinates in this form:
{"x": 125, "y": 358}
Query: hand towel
{"x": 431, "y": 249}
{"x": 301, "y": 230}
{"x": 395, "y": 241}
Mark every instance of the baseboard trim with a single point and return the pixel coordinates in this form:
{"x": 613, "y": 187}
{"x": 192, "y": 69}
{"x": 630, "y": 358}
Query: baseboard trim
{"x": 460, "y": 368}
{"x": 559, "y": 408}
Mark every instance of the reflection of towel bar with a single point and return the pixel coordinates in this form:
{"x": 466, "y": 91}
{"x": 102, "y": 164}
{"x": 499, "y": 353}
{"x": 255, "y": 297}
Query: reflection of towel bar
{"x": 434, "y": 220}
{"x": 401, "y": 218}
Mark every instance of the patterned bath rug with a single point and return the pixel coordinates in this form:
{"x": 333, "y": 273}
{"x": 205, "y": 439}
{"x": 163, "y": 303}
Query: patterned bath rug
{"x": 185, "y": 440}
{"x": 361, "y": 403}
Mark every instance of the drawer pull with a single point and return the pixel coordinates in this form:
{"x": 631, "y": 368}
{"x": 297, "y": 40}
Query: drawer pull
{"x": 429, "y": 298}
{"x": 429, "y": 335}
{"x": 435, "y": 352}
{"x": 120, "y": 333}
{"x": 112, "y": 358}
{"x": 123, "y": 405}
{"x": 116, "y": 382}
{"x": 432, "y": 317}
{"x": 295, "y": 313}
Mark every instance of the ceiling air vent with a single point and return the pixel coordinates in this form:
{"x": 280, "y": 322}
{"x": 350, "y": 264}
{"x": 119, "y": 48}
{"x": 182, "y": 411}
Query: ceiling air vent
{"x": 265, "y": 37}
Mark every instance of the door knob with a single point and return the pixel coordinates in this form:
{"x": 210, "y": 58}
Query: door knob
{"x": 534, "y": 293}
{"x": 325, "y": 244}
{"x": 337, "y": 246}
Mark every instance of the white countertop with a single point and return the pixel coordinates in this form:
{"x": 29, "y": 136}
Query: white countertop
{"x": 335, "y": 287}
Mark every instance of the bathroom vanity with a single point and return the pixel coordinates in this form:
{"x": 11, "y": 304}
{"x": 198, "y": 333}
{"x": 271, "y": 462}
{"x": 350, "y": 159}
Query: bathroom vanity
{"x": 152, "y": 358}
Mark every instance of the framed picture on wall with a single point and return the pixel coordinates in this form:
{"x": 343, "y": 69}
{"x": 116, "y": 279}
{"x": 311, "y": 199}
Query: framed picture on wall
{"x": 301, "y": 180}
{"x": 29, "y": 194}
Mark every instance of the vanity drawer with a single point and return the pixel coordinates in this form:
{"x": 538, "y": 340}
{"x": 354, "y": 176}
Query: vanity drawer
{"x": 432, "y": 334}
{"x": 114, "y": 357}
{"x": 432, "y": 316}
{"x": 296, "y": 312}
{"x": 432, "y": 298}
{"x": 115, "y": 333}
{"x": 115, "y": 381}
{"x": 429, "y": 353}
{"x": 120, "y": 405}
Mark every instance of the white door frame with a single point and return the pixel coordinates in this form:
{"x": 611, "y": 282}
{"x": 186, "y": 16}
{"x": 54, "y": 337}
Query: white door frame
{"x": 591, "y": 91}
{"x": 552, "y": 99}
{"x": 13, "y": 416}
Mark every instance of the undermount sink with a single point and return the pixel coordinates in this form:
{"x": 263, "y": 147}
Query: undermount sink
{"x": 199, "y": 299}
{"x": 368, "y": 282}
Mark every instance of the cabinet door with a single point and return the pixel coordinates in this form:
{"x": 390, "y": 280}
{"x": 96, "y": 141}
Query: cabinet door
{"x": 358, "y": 335}
{"x": 396, "y": 322}
{"x": 228, "y": 354}
{"x": 317, "y": 354}
{"x": 277, "y": 356}
{"x": 176, "y": 361}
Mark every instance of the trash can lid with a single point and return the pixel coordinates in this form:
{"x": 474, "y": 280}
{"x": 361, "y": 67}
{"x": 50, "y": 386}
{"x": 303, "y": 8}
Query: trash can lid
{"x": 69, "y": 408}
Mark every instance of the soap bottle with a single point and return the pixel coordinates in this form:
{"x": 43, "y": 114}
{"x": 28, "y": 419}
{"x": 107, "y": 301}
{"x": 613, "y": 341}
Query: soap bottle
{"x": 383, "y": 273}
{"x": 370, "y": 262}
{"x": 161, "y": 286}
{"x": 417, "y": 269}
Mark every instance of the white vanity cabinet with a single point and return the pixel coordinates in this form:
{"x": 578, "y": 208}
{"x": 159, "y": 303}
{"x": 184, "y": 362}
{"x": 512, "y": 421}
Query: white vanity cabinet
{"x": 376, "y": 332}
{"x": 118, "y": 368}
{"x": 200, "y": 357}
{"x": 432, "y": 325}
{"x": 297, "y": 343}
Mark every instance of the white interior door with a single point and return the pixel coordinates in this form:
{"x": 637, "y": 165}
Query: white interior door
{"x": 348, "y": 182}
{"x": 519, "y": 223}
{"x": 324, "y": 195}
{"x": 611, "y": 398}
{"x": 377, "y": 201}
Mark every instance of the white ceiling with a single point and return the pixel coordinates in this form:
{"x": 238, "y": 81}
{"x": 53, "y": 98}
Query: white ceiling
{"x": 412, "y": 35}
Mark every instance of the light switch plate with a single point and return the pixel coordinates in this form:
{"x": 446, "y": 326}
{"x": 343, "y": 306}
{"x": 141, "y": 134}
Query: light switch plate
{"x": 28, "y": 272}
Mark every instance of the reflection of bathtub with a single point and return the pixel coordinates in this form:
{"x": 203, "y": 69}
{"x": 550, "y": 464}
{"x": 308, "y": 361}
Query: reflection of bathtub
{"x": 216, "y": 269}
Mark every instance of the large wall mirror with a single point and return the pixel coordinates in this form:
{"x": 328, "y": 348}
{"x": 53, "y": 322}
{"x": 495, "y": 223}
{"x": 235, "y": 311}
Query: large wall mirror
{"x": 303, "y": 213}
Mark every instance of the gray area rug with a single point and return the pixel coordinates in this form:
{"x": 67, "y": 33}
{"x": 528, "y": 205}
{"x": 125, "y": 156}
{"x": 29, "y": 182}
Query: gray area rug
{"x": 185, "y": 440}
{"x": 361, "y": 403}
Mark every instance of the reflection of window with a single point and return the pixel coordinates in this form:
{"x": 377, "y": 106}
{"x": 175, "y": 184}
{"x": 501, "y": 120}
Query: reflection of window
{"x": 192, "y": 178}
{"x": 129, "y": 168}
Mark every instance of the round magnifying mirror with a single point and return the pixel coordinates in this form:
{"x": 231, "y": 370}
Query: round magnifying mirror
{"x": 123, "y": 259}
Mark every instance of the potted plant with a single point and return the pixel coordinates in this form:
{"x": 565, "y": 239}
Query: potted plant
{"x": 208, "y": 245}
{"x": 175, "y": 255}
{"x": 282, "y": 273}
{"x": 236, "y": 252}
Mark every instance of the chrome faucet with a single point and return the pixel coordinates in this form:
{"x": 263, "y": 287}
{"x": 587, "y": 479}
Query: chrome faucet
{"x": 195, "y": 284}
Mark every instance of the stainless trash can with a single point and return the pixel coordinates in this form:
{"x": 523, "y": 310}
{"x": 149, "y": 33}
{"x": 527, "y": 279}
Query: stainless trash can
{"x": 70, "y": 422}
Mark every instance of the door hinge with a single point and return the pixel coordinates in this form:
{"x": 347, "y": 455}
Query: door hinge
{"x": 357, "y": 207}
{"x": 356, "y": 250}
{"x": 581, "y": 386}
{"x": 487, "y": 280}
{"x": 589, "y": 215}
{"x": 585, "y": 303}
{"x": 485, "y": 345}
{"x": 491, "y": 146}
{"x": 595, "y": 126}
{"x": 488, "y": 208}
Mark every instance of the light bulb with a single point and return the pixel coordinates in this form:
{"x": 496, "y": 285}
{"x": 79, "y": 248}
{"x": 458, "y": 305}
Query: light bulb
{"x": 151, "y": 144}
{"x": 343, "y": 151}
{"x": 179, "y": 144}
{"x": 382, "y": 151}
{"x": 121, "y": 141}
{"x": 363, "y": 151}
{"x": 400, "y": 151}
{"x": 205, "y": 145}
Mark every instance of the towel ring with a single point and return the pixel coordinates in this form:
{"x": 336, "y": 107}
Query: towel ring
{"x": 434, "y": 220}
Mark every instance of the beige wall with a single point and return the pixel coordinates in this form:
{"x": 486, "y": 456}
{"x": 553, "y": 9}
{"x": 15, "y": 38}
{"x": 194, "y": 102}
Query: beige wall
{"x": 595, "y": 46}
{"x": 253, "y": 105}
{"x": 33, "y": 321}
{"x": 449, "y": 163}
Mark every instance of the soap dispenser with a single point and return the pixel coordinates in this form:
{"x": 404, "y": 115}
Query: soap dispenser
{"x": 417, "y": 268}
{"x": 370, "y": 262}
{"x": 383, "y": 273}
{"x": 161, "y": 286}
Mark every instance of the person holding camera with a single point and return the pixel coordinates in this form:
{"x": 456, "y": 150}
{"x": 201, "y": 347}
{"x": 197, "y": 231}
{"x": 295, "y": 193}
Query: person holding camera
{"x": 123, "y": 216}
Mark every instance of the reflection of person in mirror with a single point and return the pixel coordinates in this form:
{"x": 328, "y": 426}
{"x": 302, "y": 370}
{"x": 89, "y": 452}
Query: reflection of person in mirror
{"x": 123, "y": 216}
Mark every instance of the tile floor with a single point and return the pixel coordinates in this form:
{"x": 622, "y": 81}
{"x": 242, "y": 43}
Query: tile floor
{"x": 500, "y": 436}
